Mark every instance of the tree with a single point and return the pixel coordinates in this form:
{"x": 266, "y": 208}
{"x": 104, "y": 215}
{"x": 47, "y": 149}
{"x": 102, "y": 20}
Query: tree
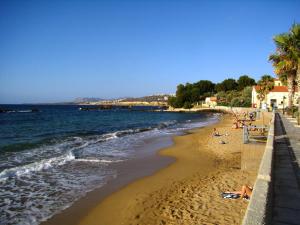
{"x": 265, "y": 85}
{"x": 227, "y": 85}
{"x": 219, "y": 87}
{"x": 245, "y": 81}
{"x": 187, "y": 105}
{"x": 180, "y": 96}
{"x": 231, "y": 95}
{"x": 205, "y": 86}
{"x": 188, "y": 92}
{"x": 221, "y": 96}
{"x": 284, "y": 66}
{"x": 288, "y": 45}
{"x": 172, "y": 101}
{"x": 195, "y": 94}
{"x": 294, "y": 50}
{"x": 230, "y": 84}
{"x": 187, "y": 95}
{"x": 247, "y": 92}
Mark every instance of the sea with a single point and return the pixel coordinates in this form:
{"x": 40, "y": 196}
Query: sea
{"x": 52, "y": 155}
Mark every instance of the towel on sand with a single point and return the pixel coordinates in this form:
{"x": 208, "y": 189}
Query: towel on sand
{"x": 230, "y": 195}
{"x": 233, "y": 196}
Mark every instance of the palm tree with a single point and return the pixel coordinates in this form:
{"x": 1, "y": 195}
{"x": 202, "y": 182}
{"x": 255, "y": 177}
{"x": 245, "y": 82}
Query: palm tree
{"x": 286, "y": 69}
{"x": 295, "y": 49}
{"x": 288, "y": 45}
{"x": 265, "y": 85}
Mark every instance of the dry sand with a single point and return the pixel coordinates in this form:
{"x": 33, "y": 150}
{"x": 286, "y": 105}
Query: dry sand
{"x": 187, "y": 191}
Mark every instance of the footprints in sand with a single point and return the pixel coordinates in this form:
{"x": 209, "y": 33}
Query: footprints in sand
{"x": 197, "y": 201}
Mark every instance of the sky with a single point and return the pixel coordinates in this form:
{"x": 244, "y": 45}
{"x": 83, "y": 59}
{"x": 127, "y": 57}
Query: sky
{"x": 57, "y": 50}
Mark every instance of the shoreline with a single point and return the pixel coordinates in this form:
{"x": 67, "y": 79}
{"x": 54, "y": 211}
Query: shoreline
{"x": 188, "y": 190}
{"x": 144, "y": 197}
{"x": 148, "y": 162}
{"x": 72, "y": 214}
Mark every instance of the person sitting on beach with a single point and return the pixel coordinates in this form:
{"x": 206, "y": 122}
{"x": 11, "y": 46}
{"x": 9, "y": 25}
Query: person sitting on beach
{"x": 262, "y": 131}
{"x": 243, "y": 123}
{"x": 235, "y": 125}
{"x": 216, "y": 133}
{"x": 251, "y": 116}
{"x": 252, "y": 127}
{"x": 244, "y": 193}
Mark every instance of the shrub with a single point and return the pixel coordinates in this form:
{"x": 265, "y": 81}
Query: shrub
{"x": 187, "y": 105}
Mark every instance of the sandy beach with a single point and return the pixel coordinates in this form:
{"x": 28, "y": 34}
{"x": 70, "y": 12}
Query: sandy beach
{"x": 127, "y": 112}
{"x": 188, "y": 190}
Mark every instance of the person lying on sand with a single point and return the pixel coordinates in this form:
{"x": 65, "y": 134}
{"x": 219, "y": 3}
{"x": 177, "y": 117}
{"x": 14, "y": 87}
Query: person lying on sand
{"x": 216, "y": 133}
{"x": 244, "y": 193}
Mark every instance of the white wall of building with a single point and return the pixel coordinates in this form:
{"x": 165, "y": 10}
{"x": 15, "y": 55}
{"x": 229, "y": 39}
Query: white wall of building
{"x": 278, "y": 97}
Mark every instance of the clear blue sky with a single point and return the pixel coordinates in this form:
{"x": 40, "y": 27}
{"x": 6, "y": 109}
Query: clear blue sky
{"x": 53, "y": 51}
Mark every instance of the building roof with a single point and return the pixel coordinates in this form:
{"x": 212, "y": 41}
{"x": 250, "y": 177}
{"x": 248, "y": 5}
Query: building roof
{"x": 279, "y": 89}
{"x": 276, "y": 88}
{"x": 212, "y": 99}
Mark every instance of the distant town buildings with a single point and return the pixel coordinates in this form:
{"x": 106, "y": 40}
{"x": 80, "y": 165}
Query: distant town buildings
{"x": 157, "y": 99}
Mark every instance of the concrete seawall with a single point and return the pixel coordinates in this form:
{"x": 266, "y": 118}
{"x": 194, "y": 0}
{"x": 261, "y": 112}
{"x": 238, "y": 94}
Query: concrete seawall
{"x": 257, "y": 212}
{"x": 225, "y": 109}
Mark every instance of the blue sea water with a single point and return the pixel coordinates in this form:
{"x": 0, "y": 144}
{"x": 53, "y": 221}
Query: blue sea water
{"x": 52, "y": 157}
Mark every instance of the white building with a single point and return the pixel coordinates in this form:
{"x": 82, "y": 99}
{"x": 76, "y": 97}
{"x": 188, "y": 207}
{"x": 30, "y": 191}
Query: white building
{"x": 211, "y": 101}
{"x": 278, "y": 96}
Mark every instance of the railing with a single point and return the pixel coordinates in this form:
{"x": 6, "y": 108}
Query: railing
{"x": 246, "y": 132}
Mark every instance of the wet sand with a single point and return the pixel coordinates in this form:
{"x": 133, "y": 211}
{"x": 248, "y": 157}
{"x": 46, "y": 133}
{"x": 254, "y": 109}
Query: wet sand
{"x": 188, "y": 190}
{"x": 146, "y": 163}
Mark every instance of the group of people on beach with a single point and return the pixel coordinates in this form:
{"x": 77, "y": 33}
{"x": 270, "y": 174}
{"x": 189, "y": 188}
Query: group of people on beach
{"x": 246, "y": 191}
{"x": 243, "y": 119}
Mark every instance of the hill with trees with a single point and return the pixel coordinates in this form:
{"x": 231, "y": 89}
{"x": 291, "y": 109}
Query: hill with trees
{"x": 229, "y": 92}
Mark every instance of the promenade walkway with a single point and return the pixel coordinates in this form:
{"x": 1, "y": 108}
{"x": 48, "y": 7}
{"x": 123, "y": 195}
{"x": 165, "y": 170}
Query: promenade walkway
{"x": 286, "y": 173}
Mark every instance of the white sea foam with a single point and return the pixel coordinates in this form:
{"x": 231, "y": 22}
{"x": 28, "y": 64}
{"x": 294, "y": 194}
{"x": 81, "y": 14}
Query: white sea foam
{"x": 73, "y": 167}
{"x": 98, "y": 160}
{"x": 36, "y": 166}
{"x": 91, "y": 146}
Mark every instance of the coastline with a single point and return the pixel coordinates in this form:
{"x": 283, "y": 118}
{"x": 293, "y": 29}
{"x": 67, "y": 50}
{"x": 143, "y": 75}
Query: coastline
{"x": 188, "y": 190}
{"x": 148, "y": 163}
{"x": 183, "y": 185}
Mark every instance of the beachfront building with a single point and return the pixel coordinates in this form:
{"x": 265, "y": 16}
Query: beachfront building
{"x": 211, "y": 101}
{"x": 277, "y": 97}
